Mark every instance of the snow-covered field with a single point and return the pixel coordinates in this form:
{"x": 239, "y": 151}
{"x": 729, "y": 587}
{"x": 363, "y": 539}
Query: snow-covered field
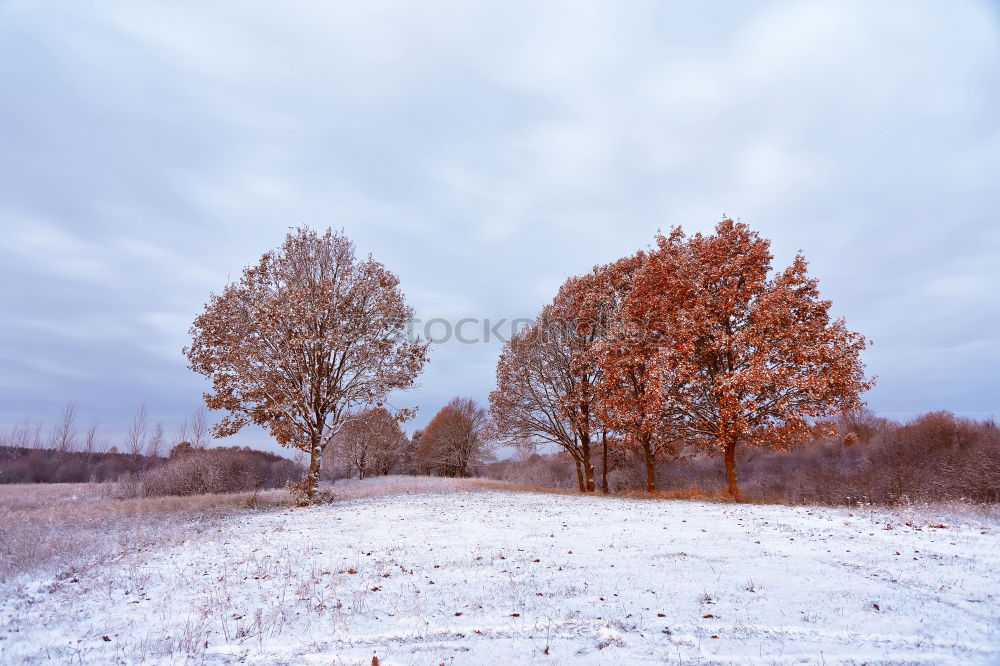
{"x": 455, "y": 574}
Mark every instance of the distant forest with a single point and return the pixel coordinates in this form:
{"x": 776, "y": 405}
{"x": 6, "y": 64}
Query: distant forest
{"x": 187, "y": 470}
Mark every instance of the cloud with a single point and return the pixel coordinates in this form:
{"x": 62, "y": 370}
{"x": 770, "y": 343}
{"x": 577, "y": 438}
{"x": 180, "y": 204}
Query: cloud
{"x": 485, "y": 153}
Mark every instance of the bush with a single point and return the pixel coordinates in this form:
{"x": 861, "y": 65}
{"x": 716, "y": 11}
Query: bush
{"x": 222, "y": 470}
{"x": 544, "y": 471}
{"x": 935, "y": 457}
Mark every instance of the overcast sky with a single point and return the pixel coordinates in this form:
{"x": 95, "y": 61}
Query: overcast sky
{"x": 148, "y": 153}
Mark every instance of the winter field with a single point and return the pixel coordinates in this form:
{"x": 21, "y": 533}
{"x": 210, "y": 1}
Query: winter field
{"x": 426, "y": 571}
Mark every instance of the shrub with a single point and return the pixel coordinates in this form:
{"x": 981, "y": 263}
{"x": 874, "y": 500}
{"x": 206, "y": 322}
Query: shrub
{"x": 222, "y": 470}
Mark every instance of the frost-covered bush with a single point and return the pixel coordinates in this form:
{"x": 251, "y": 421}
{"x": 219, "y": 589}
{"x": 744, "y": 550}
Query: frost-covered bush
{"x": 201, "y": 471}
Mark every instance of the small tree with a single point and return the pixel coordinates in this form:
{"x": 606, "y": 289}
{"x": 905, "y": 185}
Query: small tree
{"x": 179, "y": 449}
{"x": 136, "y": 437}
{"x": 415, "y": 459}
{"x": 64, "y": 434}
{"x": 733, "y": 356}
{"x": 302, "y": 338}
{"x": 369, "y": 443}
{"x": 199, "y": 429}
{"x": 90, "y": 441}
{"x": 406, "y": 461}
{"x": 455, "y": 439}
{"x": 155, "y": 441}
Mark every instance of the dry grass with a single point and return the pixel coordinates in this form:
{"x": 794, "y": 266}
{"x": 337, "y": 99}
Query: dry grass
{"x": 698, "y": 494}
{"x": 381, "y": 486}
{"x": 65, "y": 527}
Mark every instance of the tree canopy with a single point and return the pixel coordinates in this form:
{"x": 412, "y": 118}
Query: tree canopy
{"x": 305, "y": 336}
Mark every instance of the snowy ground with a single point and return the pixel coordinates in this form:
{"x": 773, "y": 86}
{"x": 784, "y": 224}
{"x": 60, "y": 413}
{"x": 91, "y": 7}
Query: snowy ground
{"x": 479, "y": 576}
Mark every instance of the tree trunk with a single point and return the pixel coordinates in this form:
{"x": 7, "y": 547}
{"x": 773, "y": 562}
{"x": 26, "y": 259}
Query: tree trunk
{"x": 734, "y": 486}
{"x": 579, "y": 476}
{"x": 312, "y": 476}
{"x": 649, "y": 459}
{"x": 604, "y": 462}
{"x": 588, "y": 466}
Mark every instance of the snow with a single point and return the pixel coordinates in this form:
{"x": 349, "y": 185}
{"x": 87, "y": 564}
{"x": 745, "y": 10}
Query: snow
{"x": 490, "y": 576}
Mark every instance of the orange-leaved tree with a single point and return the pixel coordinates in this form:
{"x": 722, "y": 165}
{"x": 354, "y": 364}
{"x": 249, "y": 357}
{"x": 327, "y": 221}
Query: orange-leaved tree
{"x": 734, "y": 355}
{"x": 456, "y": 440}
{"x": 303, "y": 337}
{"x": 626, "y": 399}
{"x": 548, "y": 373}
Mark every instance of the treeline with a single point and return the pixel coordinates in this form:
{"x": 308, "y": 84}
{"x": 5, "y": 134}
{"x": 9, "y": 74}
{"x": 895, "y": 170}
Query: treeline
{"x": 30, "y": 465}
{"x": 187, "y": 470}
{"x": 144, "y": 461}
{"x": 935, "y": 457}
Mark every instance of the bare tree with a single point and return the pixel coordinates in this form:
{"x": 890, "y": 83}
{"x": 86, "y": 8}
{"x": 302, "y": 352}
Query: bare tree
{"x": 136, "y": 437}
{"x": 199, "y": 428}
{"x": 406, "y": 462}
{"x": 21, "y": 436}
{"x": 302, "y": 339}
{"x": 37, "y": 442}
{"x": 414, "y": 463}
{"x": 90, "y": 441}
{"x": 182, "y": 433}
{"x": 64, "y": 433}
{"x": 155, "y": 441}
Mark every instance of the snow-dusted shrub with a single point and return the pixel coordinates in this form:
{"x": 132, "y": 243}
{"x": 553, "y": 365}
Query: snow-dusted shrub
{"x": 226, "y": 470}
